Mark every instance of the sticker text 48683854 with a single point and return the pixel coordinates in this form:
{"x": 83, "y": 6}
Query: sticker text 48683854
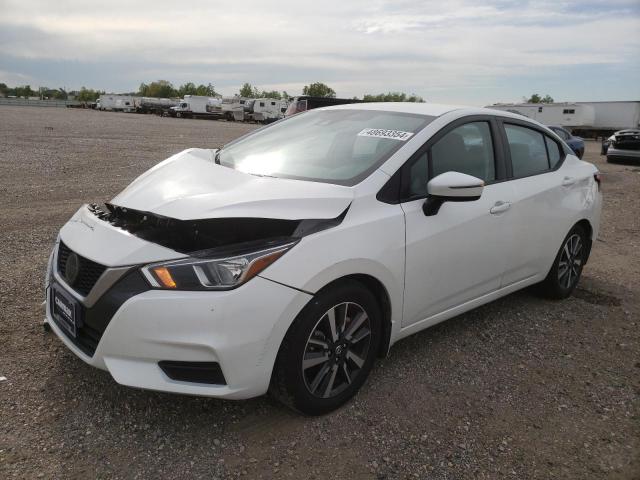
{"x": 384, "y": 133}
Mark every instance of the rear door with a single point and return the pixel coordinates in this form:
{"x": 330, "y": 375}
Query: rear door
{"x": 537, "y": 222}
{"x": 456, "y": 255}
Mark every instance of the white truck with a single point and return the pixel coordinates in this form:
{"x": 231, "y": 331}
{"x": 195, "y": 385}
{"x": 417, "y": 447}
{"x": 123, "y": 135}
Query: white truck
{"x": 195, "y": 106}
{"x": 585, "y": 119}
{"x": 117, "y": 103}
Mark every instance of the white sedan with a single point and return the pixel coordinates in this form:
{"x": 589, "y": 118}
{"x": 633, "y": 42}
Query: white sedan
{"x": 292, "y": 258}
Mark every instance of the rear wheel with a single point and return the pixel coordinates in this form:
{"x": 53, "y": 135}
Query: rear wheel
{"x": 329, "y": 350}
{"x": 567, "y": 267}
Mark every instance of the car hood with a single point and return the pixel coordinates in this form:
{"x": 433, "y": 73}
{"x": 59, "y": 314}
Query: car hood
{"x": 190, "y": 185}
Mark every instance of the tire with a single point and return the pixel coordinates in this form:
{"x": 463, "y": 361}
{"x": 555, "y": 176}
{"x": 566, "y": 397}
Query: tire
{"x": 561, "y": 280}
{"x": 317, "y": 370}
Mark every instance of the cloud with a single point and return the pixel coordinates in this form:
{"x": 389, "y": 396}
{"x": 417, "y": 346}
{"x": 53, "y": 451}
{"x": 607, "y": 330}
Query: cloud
{"x": 457, "y": 49}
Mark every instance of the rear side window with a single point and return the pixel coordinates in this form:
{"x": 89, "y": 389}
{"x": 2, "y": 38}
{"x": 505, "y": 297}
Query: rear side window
{"x": 528, "y": 150}
{"x": 554, "y": 152}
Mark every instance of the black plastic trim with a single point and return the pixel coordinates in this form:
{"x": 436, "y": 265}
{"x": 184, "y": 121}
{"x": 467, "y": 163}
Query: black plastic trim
{"x": 193, "y": 372}
{"x": 91, "y": 323}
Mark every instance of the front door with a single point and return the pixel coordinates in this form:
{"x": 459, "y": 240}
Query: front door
{"x": 456, "y": 255}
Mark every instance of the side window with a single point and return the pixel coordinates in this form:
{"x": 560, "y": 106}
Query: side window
{"x": 554, "y": 151}
{"x": 528, "y": 151}
{"x": 466, "y": 149}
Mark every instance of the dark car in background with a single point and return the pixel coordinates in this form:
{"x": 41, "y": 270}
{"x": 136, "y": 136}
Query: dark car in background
{"x": 576, "y": 143}
{"x": 622, "y": 145}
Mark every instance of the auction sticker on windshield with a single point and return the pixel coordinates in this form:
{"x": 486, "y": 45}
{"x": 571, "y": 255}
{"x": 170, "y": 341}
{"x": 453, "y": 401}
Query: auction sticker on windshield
{"x": 384, "y": 133}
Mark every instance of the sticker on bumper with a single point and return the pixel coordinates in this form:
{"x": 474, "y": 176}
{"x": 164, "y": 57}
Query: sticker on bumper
{"x": 384, "y": 133}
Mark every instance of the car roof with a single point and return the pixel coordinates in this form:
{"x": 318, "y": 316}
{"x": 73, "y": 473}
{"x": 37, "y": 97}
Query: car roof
{"x": 431, "y": 109}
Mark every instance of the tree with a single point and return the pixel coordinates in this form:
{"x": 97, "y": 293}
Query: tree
{"x": 271, "y": 94}
{"x": 249, "y": 91}
{"x": 188, "y": 88}
{"x": 24, "y": 91}
{"x": 393, "y": 97}
{"x": 206, "y": 90}
{"x": 536, "y": 98}
{"x": 88, "y": 95}
{"x": 159, "y": 89}
{"x": 319, "y": 89}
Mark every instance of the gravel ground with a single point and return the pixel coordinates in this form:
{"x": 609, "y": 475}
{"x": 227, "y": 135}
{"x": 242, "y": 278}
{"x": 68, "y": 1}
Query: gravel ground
{"x": 520, "y": 388}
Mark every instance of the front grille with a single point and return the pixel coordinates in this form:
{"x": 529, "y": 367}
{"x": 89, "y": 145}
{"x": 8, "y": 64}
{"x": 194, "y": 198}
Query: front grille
{"x": 88, "y": 272}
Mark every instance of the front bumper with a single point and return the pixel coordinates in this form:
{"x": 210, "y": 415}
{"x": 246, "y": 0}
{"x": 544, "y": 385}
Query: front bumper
{"x": 239, "y": 329}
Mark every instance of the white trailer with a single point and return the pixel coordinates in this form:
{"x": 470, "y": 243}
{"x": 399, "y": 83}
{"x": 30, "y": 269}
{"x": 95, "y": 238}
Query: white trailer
{"x": 192, "y": 106}
{"x": 231, "y": 108}
{"x": 261, "y": 110}
{"x": 562, "y": 114}
{"x": 117, "y": 103}
{"x": 586, "y": 119}
{"x": 267, "y": 110}
{"x": 615, "y": 116}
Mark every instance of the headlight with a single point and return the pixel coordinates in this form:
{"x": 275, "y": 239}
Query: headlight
{"x": 217, "y": 271}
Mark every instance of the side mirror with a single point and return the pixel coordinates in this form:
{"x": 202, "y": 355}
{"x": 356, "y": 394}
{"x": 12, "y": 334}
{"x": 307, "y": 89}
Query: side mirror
{"x": 451, "y": 187}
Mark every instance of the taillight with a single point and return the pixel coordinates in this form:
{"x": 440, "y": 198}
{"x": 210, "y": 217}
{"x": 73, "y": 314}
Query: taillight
{"x": 598, "y": 178}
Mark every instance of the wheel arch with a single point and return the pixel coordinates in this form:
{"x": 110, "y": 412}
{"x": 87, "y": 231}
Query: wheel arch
{"x": 379, "y": 291}
{"x": 586, "y": 224}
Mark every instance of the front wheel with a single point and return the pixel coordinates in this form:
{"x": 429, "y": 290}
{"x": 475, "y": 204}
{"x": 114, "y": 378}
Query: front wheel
{"x": 329, "y": 350}
{"x": 567, "y": 267}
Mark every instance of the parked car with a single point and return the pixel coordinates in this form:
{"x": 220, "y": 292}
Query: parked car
{"x": 622, "y": 146}
{"x": 575, "y": 143}
{"x": 293, "y": 257}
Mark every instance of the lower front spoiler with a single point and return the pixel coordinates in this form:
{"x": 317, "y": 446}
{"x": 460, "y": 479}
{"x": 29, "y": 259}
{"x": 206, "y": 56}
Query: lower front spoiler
{"x": 241, "y": 330}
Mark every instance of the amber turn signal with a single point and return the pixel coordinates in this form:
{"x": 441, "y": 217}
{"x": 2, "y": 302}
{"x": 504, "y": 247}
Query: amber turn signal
{"x": 164, "y": 276}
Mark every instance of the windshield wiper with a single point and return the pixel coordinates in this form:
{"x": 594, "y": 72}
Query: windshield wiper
{"x": 216, "y": 157}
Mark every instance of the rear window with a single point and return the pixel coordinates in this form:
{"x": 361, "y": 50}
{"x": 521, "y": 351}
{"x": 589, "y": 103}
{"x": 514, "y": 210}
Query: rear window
{"x": 333, "y": 146}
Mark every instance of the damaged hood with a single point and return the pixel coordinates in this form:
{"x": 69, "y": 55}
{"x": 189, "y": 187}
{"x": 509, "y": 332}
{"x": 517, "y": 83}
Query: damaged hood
{"x": 190, "y": 185}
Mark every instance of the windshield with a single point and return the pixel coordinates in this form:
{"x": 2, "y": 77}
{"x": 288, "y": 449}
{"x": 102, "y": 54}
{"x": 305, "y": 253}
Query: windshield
{"x": 333, "y": 146}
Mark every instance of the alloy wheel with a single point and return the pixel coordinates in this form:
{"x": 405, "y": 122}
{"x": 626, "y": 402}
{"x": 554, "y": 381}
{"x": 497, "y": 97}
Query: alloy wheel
{"x": 336, "y": 350}
{"x": 570, "y": 261}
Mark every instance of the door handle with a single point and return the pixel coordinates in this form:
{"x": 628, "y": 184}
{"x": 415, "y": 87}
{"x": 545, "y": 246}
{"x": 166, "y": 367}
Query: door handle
{"x": 568, "y": 181}
{"x": 500, "y": 207}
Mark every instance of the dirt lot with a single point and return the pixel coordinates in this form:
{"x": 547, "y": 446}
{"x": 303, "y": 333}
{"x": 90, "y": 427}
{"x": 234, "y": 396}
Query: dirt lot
{"x": 521, "y": 388}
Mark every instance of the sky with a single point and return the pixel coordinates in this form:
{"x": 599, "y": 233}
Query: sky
{"x": 447, "y": 51}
